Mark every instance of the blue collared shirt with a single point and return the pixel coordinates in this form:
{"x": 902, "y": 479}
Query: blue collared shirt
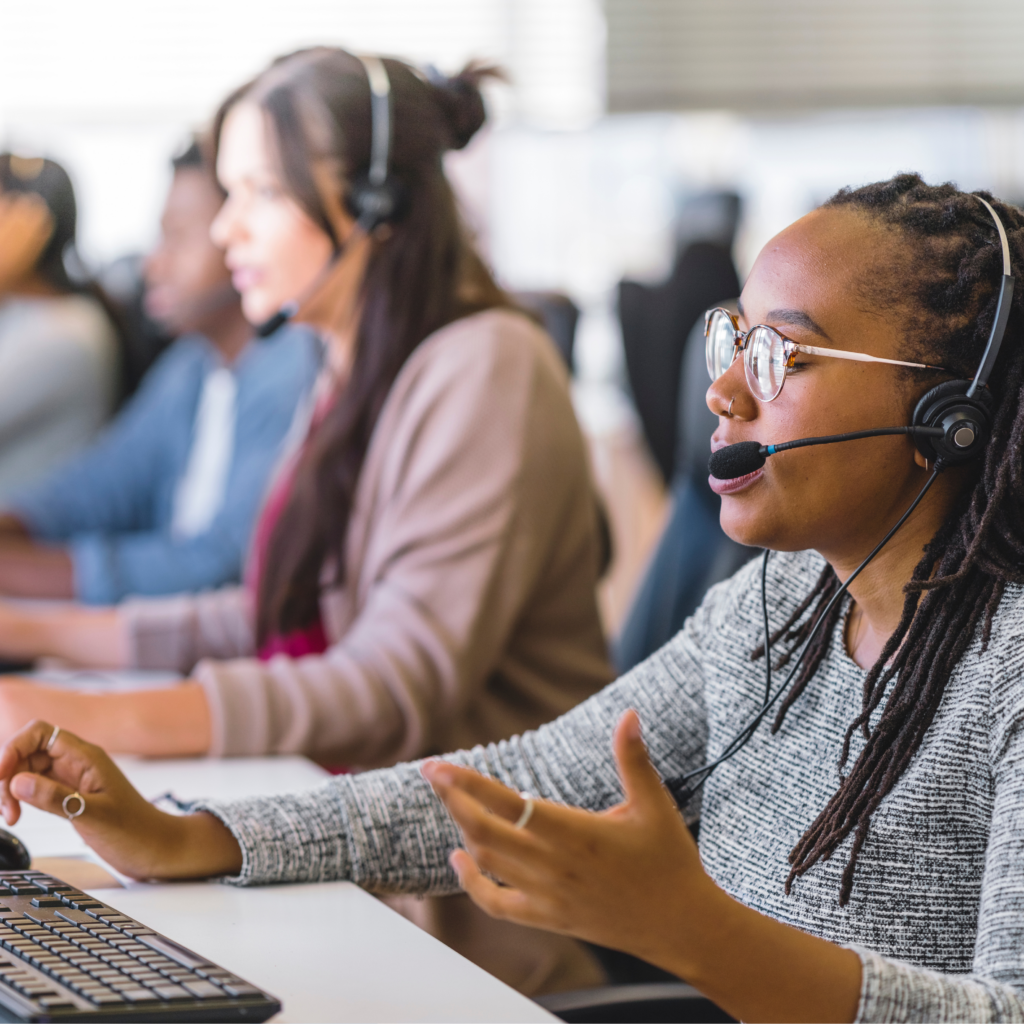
{"x": 113, "y": 504}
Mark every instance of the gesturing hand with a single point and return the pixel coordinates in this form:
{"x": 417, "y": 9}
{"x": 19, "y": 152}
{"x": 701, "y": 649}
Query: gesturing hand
{"x": 629, "y": 878}
{"x": 125, "y": 829}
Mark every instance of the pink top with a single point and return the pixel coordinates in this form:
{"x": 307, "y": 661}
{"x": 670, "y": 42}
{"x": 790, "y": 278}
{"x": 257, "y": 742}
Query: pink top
{"x": 469, "y": 609}
{"x": 300, "y": 642}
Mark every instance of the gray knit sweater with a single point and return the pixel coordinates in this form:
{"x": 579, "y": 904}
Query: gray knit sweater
{"x": 937, "y": 910}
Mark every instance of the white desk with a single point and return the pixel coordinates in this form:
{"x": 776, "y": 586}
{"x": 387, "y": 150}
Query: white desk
{"x": 329, "y": 952}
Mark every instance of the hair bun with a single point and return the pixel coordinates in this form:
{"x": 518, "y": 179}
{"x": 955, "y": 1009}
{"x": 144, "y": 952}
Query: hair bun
{"x": 461, "y": 101}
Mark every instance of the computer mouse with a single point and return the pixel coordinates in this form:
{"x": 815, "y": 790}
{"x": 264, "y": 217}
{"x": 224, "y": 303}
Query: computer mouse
{"x": 14, "y": 855}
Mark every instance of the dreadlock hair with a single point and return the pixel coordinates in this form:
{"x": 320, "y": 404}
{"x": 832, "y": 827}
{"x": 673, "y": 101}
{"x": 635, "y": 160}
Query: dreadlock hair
{"x": 945, "y": 301}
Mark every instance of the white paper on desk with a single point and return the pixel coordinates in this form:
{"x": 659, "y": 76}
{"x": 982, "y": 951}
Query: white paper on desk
{"x": 103, "y": 680}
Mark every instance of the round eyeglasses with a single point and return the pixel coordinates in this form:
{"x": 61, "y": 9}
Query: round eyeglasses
{"x": 767, "y": 355}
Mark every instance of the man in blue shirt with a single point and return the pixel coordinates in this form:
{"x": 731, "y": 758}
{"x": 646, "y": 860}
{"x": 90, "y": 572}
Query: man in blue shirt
{"x": 165, "y": 501}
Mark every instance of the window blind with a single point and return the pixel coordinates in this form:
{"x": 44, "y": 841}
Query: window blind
{"x": 760, "y": 54}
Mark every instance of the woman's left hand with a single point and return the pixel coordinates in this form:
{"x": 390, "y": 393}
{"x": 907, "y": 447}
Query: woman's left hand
{"x": 629, "y": 877}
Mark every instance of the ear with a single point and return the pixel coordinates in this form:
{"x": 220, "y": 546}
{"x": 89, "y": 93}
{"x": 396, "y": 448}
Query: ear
{"x": 920, "y": 460}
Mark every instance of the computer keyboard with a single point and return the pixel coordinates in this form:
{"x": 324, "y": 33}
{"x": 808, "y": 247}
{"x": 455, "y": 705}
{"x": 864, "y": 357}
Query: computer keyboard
{"x": 66, "y": 956}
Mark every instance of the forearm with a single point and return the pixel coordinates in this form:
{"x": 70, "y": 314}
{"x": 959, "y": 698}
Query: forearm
{"x": 169, "y": 722}
{"x": 195, "y": 846}
{"x": 91, "y": 637}
{"x": 34, "y": 570}
{"x": 755, "y": 967}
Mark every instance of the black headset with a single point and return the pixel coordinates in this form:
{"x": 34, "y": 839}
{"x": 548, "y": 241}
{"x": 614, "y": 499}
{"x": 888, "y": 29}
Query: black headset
{"x": 964, "y": 409}
{"x": 952, "y": 425}
{"x": 373, "y": 198}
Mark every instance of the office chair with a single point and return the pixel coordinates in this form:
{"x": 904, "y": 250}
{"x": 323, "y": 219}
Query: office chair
{"x": 141, "y": 340}
{"x": 635, "y": 1004}
{"x": 559, "y": 315}
{"x": 656, "y": 320}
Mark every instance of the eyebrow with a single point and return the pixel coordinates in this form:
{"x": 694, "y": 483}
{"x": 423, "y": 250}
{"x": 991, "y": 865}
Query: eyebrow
{"x": 791, "y": 317}
{"x": 797, "y": 318}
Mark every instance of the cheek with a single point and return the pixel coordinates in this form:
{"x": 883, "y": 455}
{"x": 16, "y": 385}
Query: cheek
{"x": 290, "y": 252}
{"x": 812, "y": 497}
{"x": 295, "y": 250}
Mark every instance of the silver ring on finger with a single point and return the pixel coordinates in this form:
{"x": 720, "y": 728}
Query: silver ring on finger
{"x": 53, "y": 738}
{"x": 527, "y": 814}
{"x": 72, "y": 814}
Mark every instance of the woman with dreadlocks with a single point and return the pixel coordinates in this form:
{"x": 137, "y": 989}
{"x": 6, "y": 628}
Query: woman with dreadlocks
{"x": 862, "y": 856}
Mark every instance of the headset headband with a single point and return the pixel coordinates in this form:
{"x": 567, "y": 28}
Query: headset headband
{"x": 995, "y": 338}
{"x": 380, "y": 115}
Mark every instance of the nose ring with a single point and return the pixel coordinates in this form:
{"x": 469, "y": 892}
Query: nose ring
{"x": 728, "y": 412}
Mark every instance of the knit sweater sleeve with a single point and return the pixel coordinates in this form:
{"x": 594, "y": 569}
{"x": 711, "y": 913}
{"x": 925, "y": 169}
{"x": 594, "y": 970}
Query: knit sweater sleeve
{"x": 387, "y": 831}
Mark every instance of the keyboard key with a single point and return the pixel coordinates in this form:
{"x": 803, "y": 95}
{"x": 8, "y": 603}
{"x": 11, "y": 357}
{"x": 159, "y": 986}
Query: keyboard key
{"x": 240, "y": 988}
{"x": 129, "y": 946}
{"x": 209, "y": 971}
{"x": 37, "y": 987}
{"x": 25, "y": 889}
{"x": 144, "y": 976}
{"x": 56, "y": 1003}
{"x": 105, "y": 998}
{"x": 74, "y": 916}
{"x": 47, "y": 901}
{"x": 139, "y": 995}
{"x": 171, "y": 992}
{"x": 175, "y": 952}
{"x": 203, "y": 990}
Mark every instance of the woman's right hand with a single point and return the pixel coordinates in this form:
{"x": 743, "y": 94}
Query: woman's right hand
{"x": 26, "y": 225}
{"x": 124, "y": 828}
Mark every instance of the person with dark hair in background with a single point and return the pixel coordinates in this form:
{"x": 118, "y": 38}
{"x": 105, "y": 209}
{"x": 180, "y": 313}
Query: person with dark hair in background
{"x": 164, "y": 502}
{"x": 58, "y": 345}
{"x": 424, "y": 570}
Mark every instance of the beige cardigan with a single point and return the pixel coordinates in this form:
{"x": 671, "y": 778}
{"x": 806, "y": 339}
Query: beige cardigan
{"x": 469, "y": 613}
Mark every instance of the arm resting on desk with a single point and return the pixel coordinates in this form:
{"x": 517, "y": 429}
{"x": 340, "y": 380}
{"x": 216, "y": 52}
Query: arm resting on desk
{"x": 30, "y": 569}
{"x": 118, "y": 823}
{"x": 169, "y": 722}
{"x": 91, "y": 637}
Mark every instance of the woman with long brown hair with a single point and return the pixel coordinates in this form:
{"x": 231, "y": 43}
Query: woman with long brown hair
{"x": 423, "y": 575}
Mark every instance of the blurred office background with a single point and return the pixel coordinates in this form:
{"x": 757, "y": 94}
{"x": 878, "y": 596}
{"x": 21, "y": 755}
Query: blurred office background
{"x": 616, "y": 116}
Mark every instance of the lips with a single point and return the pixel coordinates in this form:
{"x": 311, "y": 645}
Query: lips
{"x": 736, "y": 484}
{"x": 244, "y": 278}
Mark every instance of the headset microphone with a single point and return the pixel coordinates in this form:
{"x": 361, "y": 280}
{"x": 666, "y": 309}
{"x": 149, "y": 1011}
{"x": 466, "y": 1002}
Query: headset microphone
{"x": 748, "y": 456}
{"x": 373, "y": 198}
{"x": 277, "y": 321}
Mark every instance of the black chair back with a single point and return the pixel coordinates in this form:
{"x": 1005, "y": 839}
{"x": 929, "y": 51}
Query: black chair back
{"x": 635, "y": 1004}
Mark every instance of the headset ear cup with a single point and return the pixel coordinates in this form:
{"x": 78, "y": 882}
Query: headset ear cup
{"x": 373, "y": 205}
{"x": 947, "y": 406}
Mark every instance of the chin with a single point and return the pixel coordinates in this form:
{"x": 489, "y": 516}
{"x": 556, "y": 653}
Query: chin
{"x": 257, "y": 307}
{"x": 753, "y": 530}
